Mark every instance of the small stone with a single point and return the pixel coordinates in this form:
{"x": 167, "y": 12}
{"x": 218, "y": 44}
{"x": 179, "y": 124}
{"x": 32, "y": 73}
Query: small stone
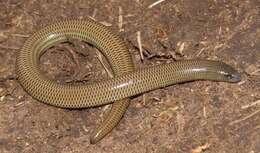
{"x": 3, "y": 37}
{"x": 216, "y": 101}
{"x": 2, "y": 98}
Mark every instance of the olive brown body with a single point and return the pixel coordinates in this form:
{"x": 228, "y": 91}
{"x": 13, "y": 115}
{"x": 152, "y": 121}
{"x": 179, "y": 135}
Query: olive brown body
{"x": 127, "y": 81}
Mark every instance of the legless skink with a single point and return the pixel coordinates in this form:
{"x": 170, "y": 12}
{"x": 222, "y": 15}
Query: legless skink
{"x": 127, "y": 81}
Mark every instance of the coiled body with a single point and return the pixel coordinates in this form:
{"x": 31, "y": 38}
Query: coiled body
{"x": 126, "y": 83}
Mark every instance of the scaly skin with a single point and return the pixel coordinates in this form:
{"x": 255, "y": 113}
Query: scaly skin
{"x": 127, "y": 81}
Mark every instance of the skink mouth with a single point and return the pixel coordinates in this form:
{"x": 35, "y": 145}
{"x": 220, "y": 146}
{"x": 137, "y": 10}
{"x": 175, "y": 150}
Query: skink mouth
{"x": 234, "y": 77}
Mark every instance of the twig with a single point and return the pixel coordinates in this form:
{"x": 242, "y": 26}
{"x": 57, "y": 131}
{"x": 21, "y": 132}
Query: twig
{"x": 106, "y": 23}
{"x": 241, "y": 82}
{"x": 99, "y": 56}
{"x": 251, "y": 104}
{"x": 180, "y": 121}
{"x": 94, "y": 13}
{"x": 120, "y": 19}
{"x": 169, "y": 112}
{"x": 144, "y": 99}
{"x": 198, "y": 54}
{"x": 181, "y": 47}
{"x": 20, "y": 35}
{"x": 204, "y": 112}
{"x": 19, "y": 104}
{"x": 256, "y": 72}
{"x": 140, "y": 45}
{"x": 155, "y": 3}
{"x": 200, "y": 149}
{"x": 245, "y": 118}
{"x": 85, "y": 128}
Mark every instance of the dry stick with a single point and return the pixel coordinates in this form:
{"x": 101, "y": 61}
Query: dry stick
{"x": 180, "y": 121}
{"x": 200, "y": 149}
{"x": 181, "y": 48}
{"x": 140, "y": 45}
{"x": 99, "y": 56}
{"x": 198, "y": 54}
{"x": 120, "y": 19}
{"x": 144, "y": 99}
{"x": 251, "y": 104}
{"x": 155, "y": 3}
{"x": 204, "y": 112}
{"x": 245, "y": 118}
{"x": 94, "y": 13}
{"x": 241, "y": 82}
{"x": 20, "y": 35}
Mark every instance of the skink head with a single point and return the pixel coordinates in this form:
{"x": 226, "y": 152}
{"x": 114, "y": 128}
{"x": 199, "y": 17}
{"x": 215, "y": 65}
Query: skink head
{"x": 228, "y": 73}
{"x": 233, "y": 77}
{"x": 217, "y": 71}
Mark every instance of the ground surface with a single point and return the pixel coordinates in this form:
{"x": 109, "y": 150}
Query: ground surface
{"x": 195, "y": 117}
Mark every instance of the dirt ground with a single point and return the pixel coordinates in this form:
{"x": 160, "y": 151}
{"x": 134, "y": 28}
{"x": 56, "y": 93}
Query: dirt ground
{"x": 194, "y": 117}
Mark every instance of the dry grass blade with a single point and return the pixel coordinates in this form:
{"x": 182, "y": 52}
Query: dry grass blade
{"x": 140, "y": 45}
{"x": 20, "y": 35}
{"x": 155, "y": 3}
{"x": 120, "y": 19}
{"x": 251, "y": 104}
{"x": 200, "y": 149}
{"x": 245, "y": 118}
{"x": 100, "y": 58}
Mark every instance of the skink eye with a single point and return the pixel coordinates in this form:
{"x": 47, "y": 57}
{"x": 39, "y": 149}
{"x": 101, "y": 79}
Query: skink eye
{"x": 229, "y": 76}
{"x": 233, "y": 77}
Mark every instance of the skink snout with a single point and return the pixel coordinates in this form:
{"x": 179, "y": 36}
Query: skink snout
{"x": 233, "y": 77}
{"x": 228, "y": 73}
